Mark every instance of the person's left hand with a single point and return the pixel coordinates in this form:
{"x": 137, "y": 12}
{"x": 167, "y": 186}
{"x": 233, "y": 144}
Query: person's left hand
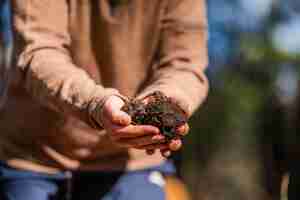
{"x": 172, "y": 145}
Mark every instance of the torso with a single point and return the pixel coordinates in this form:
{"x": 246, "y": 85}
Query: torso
{"x": 106, "y": 43}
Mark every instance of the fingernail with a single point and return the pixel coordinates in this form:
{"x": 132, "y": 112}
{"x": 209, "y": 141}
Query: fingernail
{"x": 156, "y": 131}
{"x": 175, "y": 145}
{"x": 183, "y": 130}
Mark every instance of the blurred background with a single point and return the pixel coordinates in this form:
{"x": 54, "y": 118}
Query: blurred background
{"x": 243, "y": 139}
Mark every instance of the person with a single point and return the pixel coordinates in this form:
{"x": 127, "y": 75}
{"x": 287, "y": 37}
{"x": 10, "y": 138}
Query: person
{"x": 63, "y": 133}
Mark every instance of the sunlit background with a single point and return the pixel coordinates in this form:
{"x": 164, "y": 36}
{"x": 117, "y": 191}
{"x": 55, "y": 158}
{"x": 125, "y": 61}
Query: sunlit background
{"x": 244, "y": 137}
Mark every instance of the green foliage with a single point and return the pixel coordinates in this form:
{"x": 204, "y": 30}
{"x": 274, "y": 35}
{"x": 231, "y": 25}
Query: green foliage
{"x": 242, "y": 110}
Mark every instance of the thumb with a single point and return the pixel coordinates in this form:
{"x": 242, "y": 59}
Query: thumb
{"x": 112, "y": 111}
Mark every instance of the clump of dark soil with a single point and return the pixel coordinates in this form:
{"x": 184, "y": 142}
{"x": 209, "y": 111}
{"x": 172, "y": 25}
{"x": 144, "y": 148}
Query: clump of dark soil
{"x": 157, "y": 110}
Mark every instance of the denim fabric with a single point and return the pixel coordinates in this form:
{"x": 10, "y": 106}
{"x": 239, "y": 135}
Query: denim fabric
{"x": 5, "y": 22}
{"x": 134, "y": 185}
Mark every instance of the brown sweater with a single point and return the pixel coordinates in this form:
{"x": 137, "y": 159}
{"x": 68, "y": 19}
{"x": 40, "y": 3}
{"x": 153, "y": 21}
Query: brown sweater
{"x": 71, "y": 55}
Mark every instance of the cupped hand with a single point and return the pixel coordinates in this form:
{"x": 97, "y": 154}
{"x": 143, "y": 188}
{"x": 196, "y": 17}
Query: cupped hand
{"x": 171, "y": 145}
{"x": 118, "y": 125}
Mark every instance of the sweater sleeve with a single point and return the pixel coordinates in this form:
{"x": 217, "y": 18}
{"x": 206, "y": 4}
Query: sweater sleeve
{"x": 182, "y": 58}
{"x": 43, "y": 59}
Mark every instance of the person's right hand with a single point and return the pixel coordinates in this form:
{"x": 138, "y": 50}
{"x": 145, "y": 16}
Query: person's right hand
{"x": 118, "y": 125}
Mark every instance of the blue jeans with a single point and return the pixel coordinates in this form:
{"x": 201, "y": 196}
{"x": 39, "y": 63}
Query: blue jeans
{"x": 5, "y": 22}
{"x": 147, "y": 184}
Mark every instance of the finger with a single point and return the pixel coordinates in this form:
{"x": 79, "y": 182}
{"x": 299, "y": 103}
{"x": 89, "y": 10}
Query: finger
{"x": 113, "y": 113}
{"x": 154, "y": 147}
{"x": 175, "y": 144}
{"x": 184, "y": 107}
{"x": 111, "y": 127}
{"x": 133, "y": 131}
{"x": 165, "y": 153}
{"x": 141, "y": 141}
{"x": 183, "y": 130}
